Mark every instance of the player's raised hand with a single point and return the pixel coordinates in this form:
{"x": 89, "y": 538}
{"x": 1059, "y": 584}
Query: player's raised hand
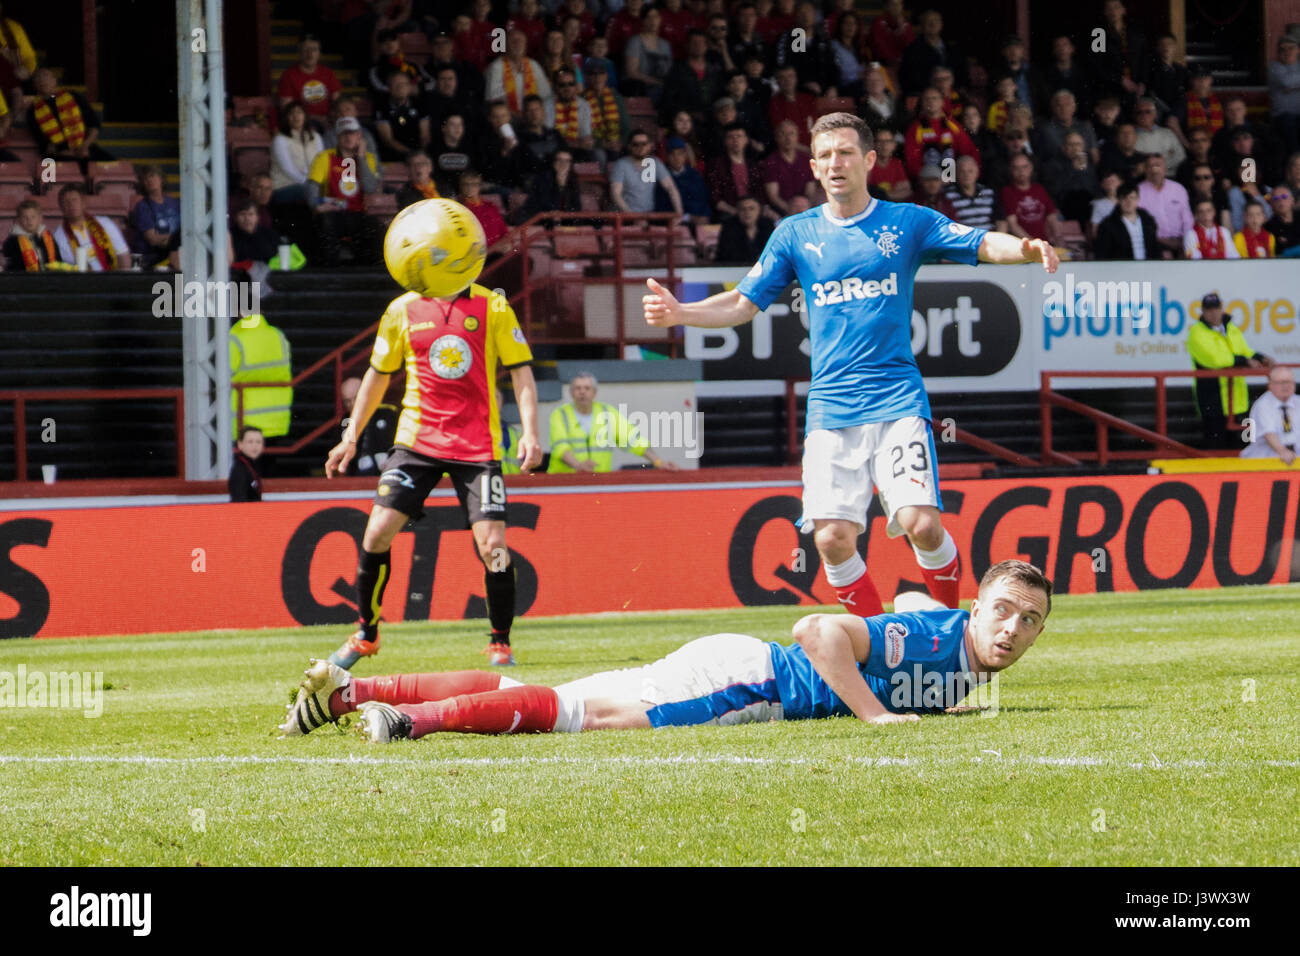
{"x": 340, "y": 456}
{"x": 1035, "y": 249}
{"x": 530, "y": 453}
{"x": 894, "y": 719}
{"x": 661, "y": 306}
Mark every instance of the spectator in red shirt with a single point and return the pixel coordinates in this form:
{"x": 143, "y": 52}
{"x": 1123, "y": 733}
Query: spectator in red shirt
{"x": 929, "y": 191}
{"x": 474, "y": 39}
{"x": 677, "y": 24}
{"x": 933, "y": 137}
{"x": 787, "y": 173}
{"x": 789, "y": 104}
{"x": 577, "y": 9}
{"x": 774, "y": 19}
{"x": 488, "y": 214}
{"x": 528, "y": 20}
{"x": 310, "y": 82}
{"x": 622, "y": 27}
{"x": 891, "y": 33}
{"x": 729, "y": 176}
{"x": 888, "y": 174}
{"x": 1029, "y": 209}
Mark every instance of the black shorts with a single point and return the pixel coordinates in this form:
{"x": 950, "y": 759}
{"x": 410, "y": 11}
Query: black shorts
{"x": 409, "y": 477}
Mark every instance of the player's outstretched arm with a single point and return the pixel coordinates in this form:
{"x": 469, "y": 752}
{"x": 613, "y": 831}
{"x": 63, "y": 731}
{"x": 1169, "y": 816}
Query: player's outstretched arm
{"x": 721, "y": 311}
{"x": 835, "y": 644}
{"x": 369, "y": 396}
{"x": 1005, "y": 249}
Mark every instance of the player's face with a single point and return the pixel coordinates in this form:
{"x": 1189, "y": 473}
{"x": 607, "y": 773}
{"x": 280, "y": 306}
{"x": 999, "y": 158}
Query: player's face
{"x": 1005, "y": 620}
{"x": 839, "y": 165}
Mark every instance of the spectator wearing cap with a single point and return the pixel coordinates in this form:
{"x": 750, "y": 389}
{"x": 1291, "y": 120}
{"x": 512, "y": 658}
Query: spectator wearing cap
{"x": 1030, "y": 87}
{"x": 933, "y": 137}
{"x": 689, "y": 182}
{"x": 401, "y": 125}
{"x": 744, "y": 235}
{"x": 1169, "y": 82}
{"x": 310, "y": 82}
{"x": 1284, "y": 91}
{"x": 1029, "y": 209}
{"x": 155, "y": 220}
{"x": 339, "y": 180}
{"x": 1153, "y": 139}
{"x": 516, "y": 76}
{"x": 347, "y": 106}
{"x": 1284, "y": 224}
{"x": 1207, "y": 239}
{"x": 392, "y": 59}
{"x": 930, "y": 189}
{"x": 1129, "y": 232}
{"x": 1166, "y": 201}
{"x": 787, "y": 172}
{"x": 597, "y": 58}
{"x": 926, "y": 52}
{"x": 1215, "y": 343}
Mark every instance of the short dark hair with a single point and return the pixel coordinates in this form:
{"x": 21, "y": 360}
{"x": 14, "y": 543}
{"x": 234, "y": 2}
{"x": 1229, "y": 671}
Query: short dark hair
{"x": 1022, "y": 572}
{"x": 1126, "y": 188}
{"x": 71, "y": 188}
{"x": 243, "y": 432}
{"x": 249, "y": 203}
{"x": 833, "y": 121}
{"x": 533, "y": 96}
{"x": 730, "y": 127}
{"x": 27, "y": 204}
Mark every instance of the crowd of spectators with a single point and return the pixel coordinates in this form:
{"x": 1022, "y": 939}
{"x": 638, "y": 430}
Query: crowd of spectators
{"x": 515, "y": 96}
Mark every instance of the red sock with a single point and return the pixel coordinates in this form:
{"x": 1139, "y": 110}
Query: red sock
{"x": 943, "y": 582}
{"x": 516, "y": 710}
{"x": 860, "y": 597}
{"x": 412, "y": 688}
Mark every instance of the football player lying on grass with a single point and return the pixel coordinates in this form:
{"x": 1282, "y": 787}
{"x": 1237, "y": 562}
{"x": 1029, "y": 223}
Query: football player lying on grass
{"x": 923, "y": 658}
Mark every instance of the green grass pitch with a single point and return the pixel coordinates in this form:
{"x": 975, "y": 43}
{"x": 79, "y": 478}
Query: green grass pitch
{"x": 1155, "y": 728}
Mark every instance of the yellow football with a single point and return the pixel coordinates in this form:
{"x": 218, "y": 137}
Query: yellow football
{"x": 435, "y": 247}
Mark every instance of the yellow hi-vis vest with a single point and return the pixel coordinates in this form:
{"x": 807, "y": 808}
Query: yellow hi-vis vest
{"x": 609, "y": 430}
{"x": 259, "y": 352}
{"x": 510, "y": 456}
{"x": 1211, "y": 349}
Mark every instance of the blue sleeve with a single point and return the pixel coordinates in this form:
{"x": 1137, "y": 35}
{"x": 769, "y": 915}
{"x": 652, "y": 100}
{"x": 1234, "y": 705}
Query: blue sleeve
{"x": 938, "y": 237}
{"x": 773, "y": 271}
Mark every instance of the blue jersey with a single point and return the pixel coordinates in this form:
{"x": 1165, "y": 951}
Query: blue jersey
{"x": 857, "y": 277}
{"x": 917, "y": 665}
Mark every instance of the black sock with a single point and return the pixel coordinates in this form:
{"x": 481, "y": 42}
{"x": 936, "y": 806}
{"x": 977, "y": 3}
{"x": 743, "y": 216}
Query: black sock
{"x": 500, "y": 587}
{"x": 372, "y": 578}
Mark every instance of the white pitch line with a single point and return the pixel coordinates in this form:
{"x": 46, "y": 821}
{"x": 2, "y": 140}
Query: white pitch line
{"x": 253, "y": 759}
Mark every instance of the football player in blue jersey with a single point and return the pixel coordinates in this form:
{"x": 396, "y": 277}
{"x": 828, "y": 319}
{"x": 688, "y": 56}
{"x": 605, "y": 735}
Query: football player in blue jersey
{"x": 868, "y": 420}
{"x": 921, "y": 659}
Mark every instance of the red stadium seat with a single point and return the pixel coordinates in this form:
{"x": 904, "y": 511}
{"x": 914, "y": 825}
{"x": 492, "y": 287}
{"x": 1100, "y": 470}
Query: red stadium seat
{"x": 572, "y": 243}
{"x": 246, "y": 137}
{"x": 64, "y": 172}
{"x": 251, "y": 161}
{"x": 16, "y": 173}
{"x": 381, "y": 204}
{"x": 11, "y": 194}
{"x": 835, "y": 104}
{"x": 395, "y": 175}
{"x": 415, "y": 47}
{"x": 115, "y": 172}
{"x": 587, "y": 169}
{"x": 707, "y": 236}
{"x": 112, "y": 204}
{"x": 250, "y": 106}
{"x": 50, "y": 206}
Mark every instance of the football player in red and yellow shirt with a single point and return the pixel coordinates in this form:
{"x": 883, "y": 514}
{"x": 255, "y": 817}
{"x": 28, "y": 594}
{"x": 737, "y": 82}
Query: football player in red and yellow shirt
{"x": 450, "y": 425}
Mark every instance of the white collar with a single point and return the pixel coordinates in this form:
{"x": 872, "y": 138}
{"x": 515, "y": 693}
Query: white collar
{"x": 826, "y": 211}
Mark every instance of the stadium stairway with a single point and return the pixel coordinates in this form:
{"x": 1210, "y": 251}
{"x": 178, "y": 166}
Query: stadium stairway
{"x": 142, "y": 143}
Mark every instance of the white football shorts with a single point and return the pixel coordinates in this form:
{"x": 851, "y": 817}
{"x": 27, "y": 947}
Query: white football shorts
{"x": 718, "y": 679}
{"x": 841, "y": 465}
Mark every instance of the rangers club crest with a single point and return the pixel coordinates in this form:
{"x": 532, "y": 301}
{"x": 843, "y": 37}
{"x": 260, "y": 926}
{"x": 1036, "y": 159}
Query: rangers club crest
{"x": 894, "y": 634}
{"x": 887, "y": 241}
{"x": 450, "y": 357}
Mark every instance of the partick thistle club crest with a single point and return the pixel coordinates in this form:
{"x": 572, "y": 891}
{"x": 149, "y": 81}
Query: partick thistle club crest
{"x": 450, "y": 357}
